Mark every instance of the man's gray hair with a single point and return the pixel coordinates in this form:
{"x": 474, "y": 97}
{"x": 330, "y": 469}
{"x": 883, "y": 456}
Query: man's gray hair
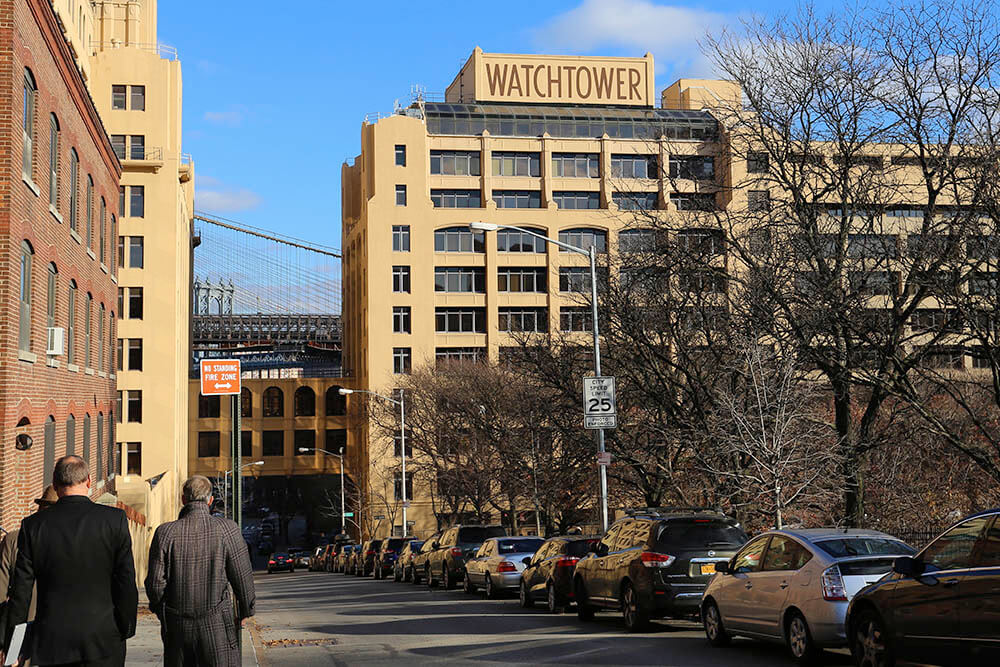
{"x": 70, "y": 471}
{"x": 197, "y": 488}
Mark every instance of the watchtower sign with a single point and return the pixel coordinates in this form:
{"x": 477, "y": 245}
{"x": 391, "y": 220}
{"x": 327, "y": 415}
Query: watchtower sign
{"x": 220, "y": 377}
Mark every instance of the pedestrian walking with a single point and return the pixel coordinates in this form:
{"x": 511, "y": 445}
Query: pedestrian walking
{"x": 80, "y": 555}
{"x": 192, "y": 563}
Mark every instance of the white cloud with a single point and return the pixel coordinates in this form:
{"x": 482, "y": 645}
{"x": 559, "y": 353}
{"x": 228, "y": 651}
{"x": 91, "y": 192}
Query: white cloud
{"x": 670, "y": 32}
{"x": 225, "y": 200}
{"x": 231, "y": 118}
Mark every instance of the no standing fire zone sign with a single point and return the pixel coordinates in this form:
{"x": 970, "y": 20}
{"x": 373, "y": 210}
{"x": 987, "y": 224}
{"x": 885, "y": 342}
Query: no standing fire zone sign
{"x": 220, "y": 377}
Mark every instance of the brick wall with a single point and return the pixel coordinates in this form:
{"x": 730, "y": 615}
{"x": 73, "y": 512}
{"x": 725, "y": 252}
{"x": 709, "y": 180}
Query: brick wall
{"x": 36, "y": 387}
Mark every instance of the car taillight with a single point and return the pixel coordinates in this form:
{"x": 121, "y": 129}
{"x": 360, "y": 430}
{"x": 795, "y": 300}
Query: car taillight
{"x": 833, "y": 585}
{"x": 370, "y": 553}
{"x": 653, "y": 559}
{"x": 455, "y": 551}
{"x": 389, "y": 552}
{"x": 567, "y": 562}
{"x": 506, "y": 566}
{"x": 270, "y": 562}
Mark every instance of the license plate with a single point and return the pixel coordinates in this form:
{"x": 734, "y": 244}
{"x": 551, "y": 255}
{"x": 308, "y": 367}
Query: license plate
{"x": 708, "y": 568}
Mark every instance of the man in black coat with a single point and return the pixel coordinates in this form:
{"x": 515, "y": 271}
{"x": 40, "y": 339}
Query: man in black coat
{"x": 80, "y": 556}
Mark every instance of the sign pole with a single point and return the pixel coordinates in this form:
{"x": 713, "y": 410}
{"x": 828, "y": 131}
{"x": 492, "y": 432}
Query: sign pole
{"x": 237, "y": 462}
{"x": 597, "y": 373}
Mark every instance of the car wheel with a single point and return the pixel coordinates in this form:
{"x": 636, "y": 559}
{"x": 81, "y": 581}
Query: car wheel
{"x": 467, "y": 585}
{"x": 870, "y": 644}
{"x": 414, "y": 576}
{"x": 445, "y": 578}
{"x": 524, "y": 596}
{"x": 552, "y": 601}
{"x": 269, "y": 571}
{"x": 491, "y": 593}
{"x": 584, "y": 611}
{"x": 636, "y": 620}
{"x": 799, "y": 639}
{"x": 430, "y": 578}
{"x": 378, "y": 571}
{"x": 714, "y": 629}
{"x": 397, "y": 574}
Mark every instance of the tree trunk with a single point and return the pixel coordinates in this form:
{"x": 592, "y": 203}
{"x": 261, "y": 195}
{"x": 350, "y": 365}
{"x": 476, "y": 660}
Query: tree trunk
{"x": 854, "y": 513}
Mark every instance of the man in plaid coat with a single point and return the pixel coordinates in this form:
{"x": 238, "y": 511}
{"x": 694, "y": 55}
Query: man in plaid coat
{"x": 192, "y": 563}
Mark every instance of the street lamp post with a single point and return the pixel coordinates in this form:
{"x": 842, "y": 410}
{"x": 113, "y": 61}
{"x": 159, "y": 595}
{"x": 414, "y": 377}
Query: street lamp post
{"x": 343, "y": 507}
{"x": 225, "y": 500}
{"x": 402, "y": 437}
{"x": 592, "y": 254}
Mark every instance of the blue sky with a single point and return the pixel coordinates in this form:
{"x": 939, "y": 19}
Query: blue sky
{"x": 274, "y": 100}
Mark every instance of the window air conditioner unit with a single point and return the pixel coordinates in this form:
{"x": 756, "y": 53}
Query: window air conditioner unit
{"x": 56, "y": 337}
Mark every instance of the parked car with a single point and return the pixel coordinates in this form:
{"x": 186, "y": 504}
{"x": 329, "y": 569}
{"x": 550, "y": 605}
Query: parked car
{"x": 941, "y": 606}
{"x": 385, "y": 559}
{"x": 446, "y": 564}
{"x": 497, "y": 565}
{"x": 345, "y": 559}
{"x": 365, "y": 558}
{"x": 793, "y": 586}
{"x": 418, "y": 564}
{"x": 548, "y": 575}
{"x": 655, "y": 563}
{"x": 280, "y": 562}
{"x": 402, "y": 569}
{"x": 327, "y": 558}
{"x": 315, "y": 561}
{"x": 300, "y": 556}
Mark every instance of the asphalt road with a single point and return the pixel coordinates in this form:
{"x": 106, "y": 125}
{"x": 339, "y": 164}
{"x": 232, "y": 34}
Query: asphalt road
{"x": 316, "y": 618}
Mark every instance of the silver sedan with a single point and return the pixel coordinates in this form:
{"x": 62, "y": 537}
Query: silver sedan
{"x": 498, "y": 564}
{"x": 793, "y": 586}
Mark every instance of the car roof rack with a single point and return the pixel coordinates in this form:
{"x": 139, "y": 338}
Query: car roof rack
{"x": 663, "y": 511}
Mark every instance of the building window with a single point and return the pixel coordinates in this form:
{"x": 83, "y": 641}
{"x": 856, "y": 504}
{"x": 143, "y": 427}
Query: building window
{"x": 636, "y": 201}
{"x": 455, "y": 163}
{"x": 137, "y": 201}
{"x": 576, "y": 318}
{"x": 397, "y": 443}
{"x": 121, "y": 201}
{"x": 400, "y": 195}
{"x": 401, "y": 319}
{"x": 50, "y": 294}
{"x": 703, "y": 242}
{"x": 119, "y": 97}
{"x": 512, "y": 240}
{"x": 401, "y": 279}
{"x": 71, "y": 324}
{"x": 637, "y": 240}
{"x": 208, "y": 444}
{"x": 398, "y": 486}
{"x": 758, "y": 201}
{"x": 28, "y": 123}
{"x": 515, "y": 164}
{"x": 49, "y": 449}
{"x": 88, "y": 317}
{"x": 576, "y": 165}
{"x": 246, "y": 444}
{"x": 459, "y": 239}
{"x": 514, "y": 320}
{"x": 53, "y": 161}
{"x": 460, "y": 320}
{"x": 74, "y": 188}
{"x": 71, "y": 434}
{"x": 137, "y": 98}
{"x": 584, "y": 238}
{"x": 336, "y": 403}
{"x": 456, "y": 199}
{"x": 134, "y": 303}
{"x": 400, "y": 155}
{"x": 459, "y": 279}
{"x": 577, "y": 200}
{"x": 696, "y": 167}
{"x": 273, "y": 402}
{"x": 521, "y": 279}
{"x": 304, "y": 439}
{"x": 209, "y": 407}
{"x": 517, "y": 198}
{"x": 121, "y": 355}
{"x": 336, "y": 440}
{"x": 89, "y": 202}
{"x": 134, "y": 405}
{"x": 402, "y": 360}
{"x": 273, "y": 443}
{"x": 111, "y": 342}
{"x": 137, "y": 147}
{"x": 462, "y": 355}
{"x": 757, "y": 163}
{"x": 111, "y": 239}
{"x": 246, "y": 403}
{"x": 701, "y": 281}
{"x": 635, "y": 166}
{"x": 24, "y": 324}
{"x": 86, "y": 437}
{"x": 133, "y": 458}
{"x": 135, "y": 252}
{"x": 100, "y": 337}
{"x": 401, "y": 238}
{"x": 693, "y": 201}
{"x": 574, "y": 279}
{"x": 102, "y": 236}
{"x": 304, "y": 402}
{"x": 135, "y": 354}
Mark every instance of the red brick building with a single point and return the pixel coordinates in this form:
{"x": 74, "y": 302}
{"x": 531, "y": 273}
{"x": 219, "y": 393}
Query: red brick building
{"x": 58, "y": 200}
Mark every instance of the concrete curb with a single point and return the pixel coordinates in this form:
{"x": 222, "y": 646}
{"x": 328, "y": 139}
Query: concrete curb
{"x": 249, "y": 655}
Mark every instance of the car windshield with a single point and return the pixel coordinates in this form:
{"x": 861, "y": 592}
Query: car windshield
{"x": 579, "y": 548}
{"x": 375, "y": 544}
{"x": 525, "y": 546}
{"x": 843, "y": 547}
{"x": 479, "y": 534}
{"x": 415, "y": 546}
{"x": 394, "y": 543}
{"x": 680, "y": 534}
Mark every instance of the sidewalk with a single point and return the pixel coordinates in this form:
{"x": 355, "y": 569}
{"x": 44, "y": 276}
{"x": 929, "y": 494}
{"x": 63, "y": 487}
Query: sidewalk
{"x": 146, "y": 648}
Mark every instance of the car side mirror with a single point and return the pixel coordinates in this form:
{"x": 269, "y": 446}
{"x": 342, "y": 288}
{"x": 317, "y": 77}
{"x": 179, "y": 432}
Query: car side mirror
{"x": 526, "y": 560}
{"x": 722, "y": 568}
{"x": 435, "y": 544}
{"x": 908, "y": 566}
{"x": 602, "y": 549}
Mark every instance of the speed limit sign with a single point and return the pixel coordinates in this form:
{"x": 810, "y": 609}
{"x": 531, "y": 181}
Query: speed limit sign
{"x": 599, "y": 409}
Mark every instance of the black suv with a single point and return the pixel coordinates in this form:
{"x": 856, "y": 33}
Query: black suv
{"x": 418, "y": 564}
{"x": 364, "y": 562}
{"x": 940, "y": 607}
{"x": 387, "y": 554}
{"x": 548, "y": 575}
{"x": 457, "y": 544}
{"x": 655, "y": 563}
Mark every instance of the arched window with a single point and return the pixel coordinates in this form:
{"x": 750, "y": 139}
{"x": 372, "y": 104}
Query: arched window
{"x": 86, "y": 438}
{"x": 49, "y": 453}
{"x": 100, "y": 446}
{"x": 584, "y": 237}
{"x": 111, "y": 255}
{"x": 88, "y": 326}
{"x": 70, "y": 435}
{"x": 103, "y": 235}
{"x": 24, "y": 325}
{"x": 305, "y": 402}
{"x": 111, "y": 343}
{"x": 50, "y": 296}
{"x": 71, "y": 325}
{"x": 246, "y": 403}
{"x": 53, "y": 161}
{"x": 336, "y": 404}
{"x": 100, "y": 338}
{"x": 74, "y": 190}
{"x": 28, "y": 122}
{"x": 90, "y": 211}
{"x": 274, "y": 402}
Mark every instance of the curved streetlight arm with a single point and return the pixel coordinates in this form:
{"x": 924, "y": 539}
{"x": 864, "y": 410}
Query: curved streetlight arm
{"x": 347, "y": 392}
{"x": 489, "y": 227}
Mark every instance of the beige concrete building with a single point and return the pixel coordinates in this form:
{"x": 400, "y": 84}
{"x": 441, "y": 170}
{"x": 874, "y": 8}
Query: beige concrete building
{"x": 558, "y": 144}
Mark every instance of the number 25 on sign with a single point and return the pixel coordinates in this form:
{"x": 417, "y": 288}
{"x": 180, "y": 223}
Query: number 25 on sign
{"x": 220, "y": 377}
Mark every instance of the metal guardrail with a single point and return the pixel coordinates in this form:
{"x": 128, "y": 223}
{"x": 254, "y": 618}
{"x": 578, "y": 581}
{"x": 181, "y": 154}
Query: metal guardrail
{"x": 164, "y": 51}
